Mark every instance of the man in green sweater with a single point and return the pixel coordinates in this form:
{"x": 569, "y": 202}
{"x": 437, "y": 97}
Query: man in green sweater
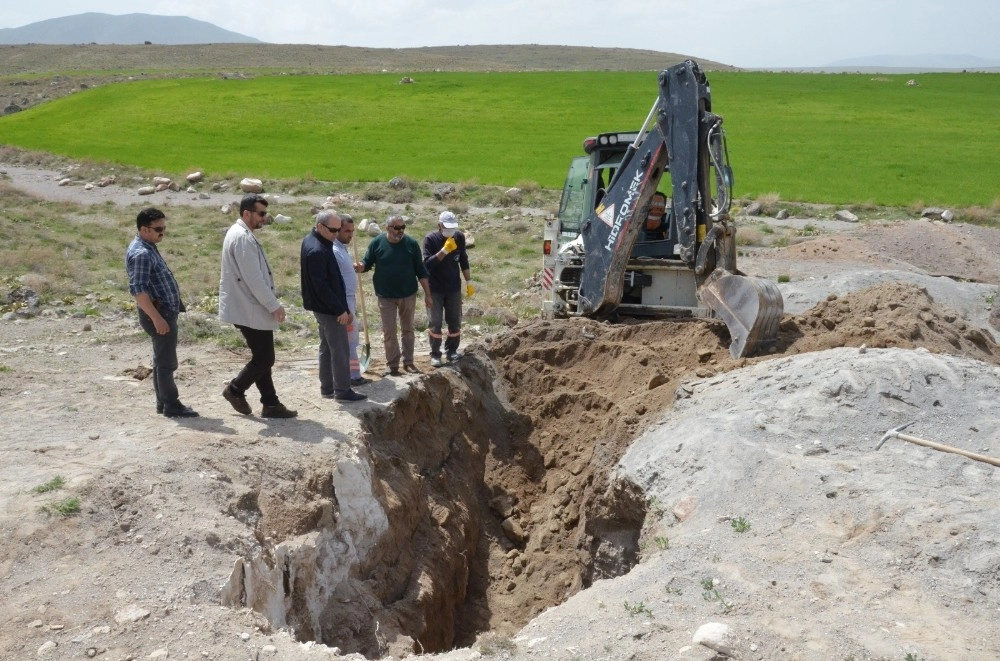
{"x": 399, "y": 268}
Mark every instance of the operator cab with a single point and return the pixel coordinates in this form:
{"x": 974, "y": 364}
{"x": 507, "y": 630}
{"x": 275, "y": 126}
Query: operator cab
{"x": 583, "y": 192}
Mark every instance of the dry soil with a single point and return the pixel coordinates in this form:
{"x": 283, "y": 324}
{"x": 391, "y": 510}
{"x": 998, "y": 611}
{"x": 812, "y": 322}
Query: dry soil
{"x": 569, "y": 489}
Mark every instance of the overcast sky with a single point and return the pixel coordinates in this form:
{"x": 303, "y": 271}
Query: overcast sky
{"x": 744, "y": 33}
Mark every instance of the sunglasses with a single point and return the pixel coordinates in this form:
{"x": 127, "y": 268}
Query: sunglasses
{"x": 398, "y": 228}
{"x": 262, "y": 214}
{"x": 158, "y": 230}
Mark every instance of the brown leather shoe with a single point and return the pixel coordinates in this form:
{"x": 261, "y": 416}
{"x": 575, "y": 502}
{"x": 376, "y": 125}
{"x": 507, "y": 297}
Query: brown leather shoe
{"x": 411, "y": 369}
{"x": 239, "y": 402}
{"x": 277, "y": 411}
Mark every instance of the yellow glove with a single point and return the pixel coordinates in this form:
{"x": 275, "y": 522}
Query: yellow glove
{"x": 470, "y": 289}
{"x": 450, "y": 245}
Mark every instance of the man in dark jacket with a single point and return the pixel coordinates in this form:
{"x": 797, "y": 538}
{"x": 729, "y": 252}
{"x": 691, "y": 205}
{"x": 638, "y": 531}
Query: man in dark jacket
{"x": 323, "y": 293}
{"x": 447, "y": 263}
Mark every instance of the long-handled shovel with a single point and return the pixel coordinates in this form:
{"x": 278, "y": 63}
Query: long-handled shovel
{"x": 366, "y": 353}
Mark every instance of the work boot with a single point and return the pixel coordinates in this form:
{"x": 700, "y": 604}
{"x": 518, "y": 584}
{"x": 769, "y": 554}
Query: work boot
{"x": 239, "y": 402}
{"x": 277, "y": 411}
{"x": 411, "y": 369}
{"x": 349, "y": 396}
{"x": 178, "y": 410}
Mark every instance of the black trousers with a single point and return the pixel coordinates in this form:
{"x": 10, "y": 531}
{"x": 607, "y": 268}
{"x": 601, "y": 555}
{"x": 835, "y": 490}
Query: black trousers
{"x": 258, "y": 371}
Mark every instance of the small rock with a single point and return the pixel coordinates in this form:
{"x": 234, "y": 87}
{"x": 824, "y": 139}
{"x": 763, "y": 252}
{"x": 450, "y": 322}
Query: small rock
{"x": 715, "y": 636}
{"x": 269, "y": 649}
{"x": 845, "y": 216}
{"x": 513, "y": 530}
{"x": 159, "y": 654}
{"x": 195, "y": 177}
{"x": 34, "y": 624}
{"x": 47, "y": 647}
{"x": 146, "y": 190}
{"x": 132, "y": 613}
{"x": 282, "y": 219}
{"x": 685, "y": 507}
{"x": 656, "y": 381}
{"x": 244, "y": 636}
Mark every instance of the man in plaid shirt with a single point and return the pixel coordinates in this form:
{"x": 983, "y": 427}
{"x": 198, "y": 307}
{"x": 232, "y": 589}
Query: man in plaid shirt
{"x": 158, "y": 301}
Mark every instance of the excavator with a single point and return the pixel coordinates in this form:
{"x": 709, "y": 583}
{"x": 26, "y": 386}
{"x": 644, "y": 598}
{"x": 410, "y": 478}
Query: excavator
{"x": 619, "y": 246}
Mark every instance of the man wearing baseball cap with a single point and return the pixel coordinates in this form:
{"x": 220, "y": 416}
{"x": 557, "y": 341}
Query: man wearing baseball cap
{"x": 447, "y": 264}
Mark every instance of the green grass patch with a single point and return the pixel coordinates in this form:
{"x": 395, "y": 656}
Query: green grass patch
{"x": 64, "y": 507}
{"x": 55, "y": 483}
{"x": 809, "y": 137}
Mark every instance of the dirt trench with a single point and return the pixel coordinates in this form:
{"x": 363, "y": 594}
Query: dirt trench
{"x": 482, "y": 496}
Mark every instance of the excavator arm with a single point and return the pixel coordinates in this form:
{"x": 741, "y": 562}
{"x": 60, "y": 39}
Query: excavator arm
{"x": 683, "y": 137}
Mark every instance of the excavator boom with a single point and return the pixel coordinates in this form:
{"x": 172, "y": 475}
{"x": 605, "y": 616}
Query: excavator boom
{"x": 618, "y": 246}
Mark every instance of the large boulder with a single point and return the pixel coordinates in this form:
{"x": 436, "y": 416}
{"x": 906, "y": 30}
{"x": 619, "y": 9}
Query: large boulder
{"x": 249, "y": 185}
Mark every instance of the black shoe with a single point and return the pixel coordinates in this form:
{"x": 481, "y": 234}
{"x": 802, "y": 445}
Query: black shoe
{"x": 179, "y": 411}
{"x": 159, "y": 407}
{"x": 453, "y": 356}
{"x": 411, "y": 369}
{"x": 349, "y": 396}
{"x": 360, "y": 381}
{"x": 277, "y": 411}
{"x": 239, "y": 402}
{"x": 391, "y": 371}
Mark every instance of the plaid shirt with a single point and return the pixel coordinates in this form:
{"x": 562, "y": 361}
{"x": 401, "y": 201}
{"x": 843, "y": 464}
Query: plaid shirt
{"x": 148, "y": 273}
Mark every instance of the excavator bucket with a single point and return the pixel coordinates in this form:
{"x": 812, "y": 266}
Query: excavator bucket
{"x": 751, "y": 307}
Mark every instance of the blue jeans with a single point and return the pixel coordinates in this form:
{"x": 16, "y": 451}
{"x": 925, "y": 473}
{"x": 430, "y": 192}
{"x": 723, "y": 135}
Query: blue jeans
{"x": 164, "y": 358}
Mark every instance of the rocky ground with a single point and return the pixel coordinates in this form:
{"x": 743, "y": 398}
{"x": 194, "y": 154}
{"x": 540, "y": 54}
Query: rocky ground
{"x": 569, "y": 490}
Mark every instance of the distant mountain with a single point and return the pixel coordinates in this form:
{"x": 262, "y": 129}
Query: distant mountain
{"x": 95, "y": 28}
{"x": 915, "y": 62}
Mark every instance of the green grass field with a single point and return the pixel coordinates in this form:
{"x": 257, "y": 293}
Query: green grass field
{"x": 807, "y": 137}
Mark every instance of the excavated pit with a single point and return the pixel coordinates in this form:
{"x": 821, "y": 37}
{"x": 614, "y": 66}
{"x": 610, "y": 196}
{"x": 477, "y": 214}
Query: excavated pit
{"x": 483, "y": 495}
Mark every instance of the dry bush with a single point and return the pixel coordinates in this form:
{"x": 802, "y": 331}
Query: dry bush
{"x": 400, "y": 196}
{"x": 374, "y": 193}
{"x": 458, "y": 208}
{"x": 769, "y": 203}
{"x": 41, "y": 284}
{"x": 749, "y": 236}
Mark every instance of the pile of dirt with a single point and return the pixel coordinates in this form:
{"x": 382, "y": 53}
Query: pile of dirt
{"x": 892, "y": 314}
{"x": 495, "y": 479}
